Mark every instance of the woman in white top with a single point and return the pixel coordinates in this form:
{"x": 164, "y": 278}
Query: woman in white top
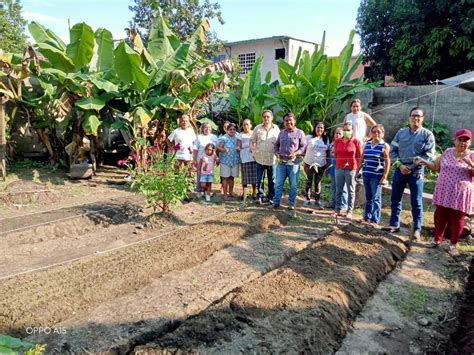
{"x": 316, "y": 160}
{"x": 200, "y": 144}
{"x": 249, "y": 165}
{"x": 183, "y": 139}
{"x": 359, "y": 120}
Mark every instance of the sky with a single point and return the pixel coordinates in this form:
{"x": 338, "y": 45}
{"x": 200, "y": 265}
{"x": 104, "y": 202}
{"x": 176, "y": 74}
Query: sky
{"x": 244, "y": 19}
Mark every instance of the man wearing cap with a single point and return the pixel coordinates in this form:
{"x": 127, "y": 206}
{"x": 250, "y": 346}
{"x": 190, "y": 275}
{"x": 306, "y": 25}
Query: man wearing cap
{"x": 409, "y": 147}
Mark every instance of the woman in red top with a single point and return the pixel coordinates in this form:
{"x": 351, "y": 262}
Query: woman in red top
{"x": 347, "y": 151}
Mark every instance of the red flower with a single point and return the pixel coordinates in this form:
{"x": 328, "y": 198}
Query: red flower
{"x": 122, "y": 162}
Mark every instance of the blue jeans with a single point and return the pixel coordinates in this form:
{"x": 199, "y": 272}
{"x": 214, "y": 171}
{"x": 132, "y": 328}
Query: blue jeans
{"x": 282, "y": 172}
{"x": 415, "y": 184}
{"x": 261, "y": 169}
{"x": 373, "y": 199}
{"x": 334, "y": 196}
{"x": 345, "y": 178}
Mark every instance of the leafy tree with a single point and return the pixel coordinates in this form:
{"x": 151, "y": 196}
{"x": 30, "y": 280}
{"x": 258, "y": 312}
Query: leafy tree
{"x": 417, "y": 40}
{"x": 316, "y": 87}
{"x": 184, "y": 16}
{"x": 12, "y": 26}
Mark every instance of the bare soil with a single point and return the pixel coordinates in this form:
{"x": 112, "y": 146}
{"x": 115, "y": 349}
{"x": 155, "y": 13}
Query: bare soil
{"x": 89, "y": 258}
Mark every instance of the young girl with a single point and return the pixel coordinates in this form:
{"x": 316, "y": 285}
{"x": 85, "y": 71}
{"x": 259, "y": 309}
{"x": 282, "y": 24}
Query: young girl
{"x": 206, "y": 169}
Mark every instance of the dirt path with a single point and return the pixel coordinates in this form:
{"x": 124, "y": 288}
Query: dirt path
{"x": 414, "y": 309}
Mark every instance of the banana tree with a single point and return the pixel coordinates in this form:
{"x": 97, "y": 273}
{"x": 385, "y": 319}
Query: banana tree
{"x": 77, "y": 82}
{"x": 250, "y": 96}
{"x": 163, "y": 80}
{"x": 316, "y": 87}
{"x": 14, "y": 72}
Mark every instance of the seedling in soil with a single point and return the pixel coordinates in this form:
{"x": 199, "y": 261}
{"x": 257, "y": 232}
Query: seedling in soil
{"x": 195, "y": 280}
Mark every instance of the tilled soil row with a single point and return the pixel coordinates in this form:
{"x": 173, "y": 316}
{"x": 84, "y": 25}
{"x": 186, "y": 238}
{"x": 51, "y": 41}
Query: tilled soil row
{"x": 304, "y": 306}
{"x": 54, "y": 295}
{"x": 114, "y": 327}
{"x": 53, "y": 223}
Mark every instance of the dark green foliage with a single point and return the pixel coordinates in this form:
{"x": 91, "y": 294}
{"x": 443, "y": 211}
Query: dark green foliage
{"x": 417, "y": 40}
{"x": 184, "y": 16}
{"x": 12, "y": 27}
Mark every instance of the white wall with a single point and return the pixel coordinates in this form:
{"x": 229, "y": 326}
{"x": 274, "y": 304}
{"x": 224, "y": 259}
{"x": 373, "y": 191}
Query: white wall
{"x": 295, "y": 45}
{"x": 266, "y": 48}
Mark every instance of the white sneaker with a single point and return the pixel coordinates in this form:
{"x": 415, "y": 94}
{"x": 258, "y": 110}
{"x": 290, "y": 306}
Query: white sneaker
{"x": 208, "y": 198}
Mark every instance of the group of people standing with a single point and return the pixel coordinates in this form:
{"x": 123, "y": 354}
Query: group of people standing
{"x": 357, "y": 149}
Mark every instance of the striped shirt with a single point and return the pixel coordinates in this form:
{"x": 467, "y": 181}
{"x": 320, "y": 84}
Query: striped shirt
{"x": 374, "y": 162}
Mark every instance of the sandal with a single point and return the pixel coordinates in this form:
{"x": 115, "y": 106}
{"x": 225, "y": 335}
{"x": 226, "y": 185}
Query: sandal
{"x": 453, "y": 251}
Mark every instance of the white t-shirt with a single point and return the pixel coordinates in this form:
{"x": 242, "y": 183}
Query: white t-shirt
{"x": 359, "y": 127}
{"x": 245, "y": 155}
{"x": 316, "y": 151}
{"x": 201, "y": 142}
{"x": 185, "y": 138}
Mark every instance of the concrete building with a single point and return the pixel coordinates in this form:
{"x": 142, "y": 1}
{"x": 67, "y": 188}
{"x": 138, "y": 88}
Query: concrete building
{"x": 271, "y": 48}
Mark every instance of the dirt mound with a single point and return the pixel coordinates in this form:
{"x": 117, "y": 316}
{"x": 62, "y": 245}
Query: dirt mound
{"x": 271, "y": 222}
{"x": 24, "y": 186}
{"x": 26, "y": 192}
{"x": 304, "y": 306}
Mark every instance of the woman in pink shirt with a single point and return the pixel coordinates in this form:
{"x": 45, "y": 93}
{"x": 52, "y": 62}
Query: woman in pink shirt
{"x": 347, "y": 151}
{"x": 453, "y": 195}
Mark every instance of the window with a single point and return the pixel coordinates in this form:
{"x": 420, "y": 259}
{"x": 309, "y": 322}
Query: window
{"x": 246, "y": 61}
{"x": 279, "y": 53}
{"x": 218, "y": 58}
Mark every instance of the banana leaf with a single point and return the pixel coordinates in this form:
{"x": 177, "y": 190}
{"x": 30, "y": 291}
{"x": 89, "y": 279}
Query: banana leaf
{"x": 105, "y": 49}
{"x": 81, "y": 46}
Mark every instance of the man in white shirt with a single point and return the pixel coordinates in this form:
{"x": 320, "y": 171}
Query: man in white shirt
{"x": 182, "y": 141}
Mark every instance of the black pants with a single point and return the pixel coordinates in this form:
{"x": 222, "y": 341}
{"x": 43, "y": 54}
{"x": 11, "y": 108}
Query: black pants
{"x": 312, "y": 175}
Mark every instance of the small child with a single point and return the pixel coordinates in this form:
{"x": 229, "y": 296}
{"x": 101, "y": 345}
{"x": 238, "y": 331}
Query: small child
{"x": 206, "y": 168}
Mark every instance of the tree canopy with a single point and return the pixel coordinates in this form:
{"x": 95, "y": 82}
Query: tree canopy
{"x": 12, "y": 26}
{"x": 417, "y": 40}
{"x": 184, "y": 17}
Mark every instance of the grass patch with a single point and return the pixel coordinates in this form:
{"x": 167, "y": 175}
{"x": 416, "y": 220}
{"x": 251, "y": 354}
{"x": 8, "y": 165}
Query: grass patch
{"x": 466, "y": 248}
{"x": 412, "y": 300}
